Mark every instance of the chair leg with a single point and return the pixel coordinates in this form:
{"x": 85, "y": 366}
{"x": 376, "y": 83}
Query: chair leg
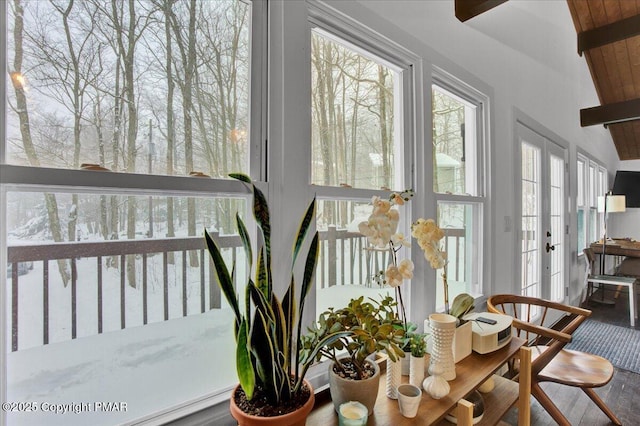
{"x": 600, "y": 403}
{"x": 548, "y": 405}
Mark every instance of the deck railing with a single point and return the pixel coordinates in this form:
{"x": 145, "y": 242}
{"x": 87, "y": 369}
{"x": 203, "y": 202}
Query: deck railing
{"x": 344, "y": 259}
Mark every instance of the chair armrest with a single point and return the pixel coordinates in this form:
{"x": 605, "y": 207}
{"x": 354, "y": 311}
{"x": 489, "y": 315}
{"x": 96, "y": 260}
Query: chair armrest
{"x": 542, "y": 331}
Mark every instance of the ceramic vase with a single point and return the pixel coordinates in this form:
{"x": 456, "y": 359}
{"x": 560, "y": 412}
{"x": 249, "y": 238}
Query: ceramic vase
{"x": 406, "y": 369}
{"x": 416, "y": 370}
{"x": 394, "y": 378}
{"x": 435, "y": 385}
{"x": 443, "y": 327}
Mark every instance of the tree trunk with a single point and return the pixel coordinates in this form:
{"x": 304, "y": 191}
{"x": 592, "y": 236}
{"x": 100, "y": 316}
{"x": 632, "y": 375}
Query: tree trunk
{"x": 384, "y": 135}
{"x": 104, "y": 224}
{"x": 170, "y": 121}
{"x": 17, "y": 80}
{"x": 132, "y": 113}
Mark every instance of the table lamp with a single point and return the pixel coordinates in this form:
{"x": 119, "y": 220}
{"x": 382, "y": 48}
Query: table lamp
{"x": 609, "y": 203}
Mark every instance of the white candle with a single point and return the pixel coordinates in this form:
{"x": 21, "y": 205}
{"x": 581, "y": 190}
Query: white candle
{"x": 352, "y": 413}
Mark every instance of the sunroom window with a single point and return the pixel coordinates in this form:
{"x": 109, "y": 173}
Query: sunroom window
{"x": 459, "y": 126}
{"x": 357, "y": 151}
{"x": 123, "y": 119}
{"x": 581, "y": 204}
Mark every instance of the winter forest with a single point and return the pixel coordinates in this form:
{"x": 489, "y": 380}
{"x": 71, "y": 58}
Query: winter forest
{"x": 162, "y": 87}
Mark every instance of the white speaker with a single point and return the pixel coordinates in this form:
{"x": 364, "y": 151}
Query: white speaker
{"x": 490, "y": 331}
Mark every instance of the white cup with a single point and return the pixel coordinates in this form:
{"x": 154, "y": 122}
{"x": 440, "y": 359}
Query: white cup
{"x": 409, "y": 397}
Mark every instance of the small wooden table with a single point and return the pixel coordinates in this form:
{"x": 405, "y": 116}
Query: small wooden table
{"x": 618, "y": 248}
{"x": 471, "y": 372}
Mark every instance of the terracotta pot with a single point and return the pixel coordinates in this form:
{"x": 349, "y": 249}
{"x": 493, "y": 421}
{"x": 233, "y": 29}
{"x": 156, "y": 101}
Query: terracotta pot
{"x": 295, "y": 418}
{"x": 364, "y": 391}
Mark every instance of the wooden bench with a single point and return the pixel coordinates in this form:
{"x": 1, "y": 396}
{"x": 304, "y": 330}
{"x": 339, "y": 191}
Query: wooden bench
{"x": 620, "y": 282}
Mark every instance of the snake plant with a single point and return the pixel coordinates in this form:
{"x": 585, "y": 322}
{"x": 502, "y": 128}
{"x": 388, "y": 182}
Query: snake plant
{"x": 268, "y": 329}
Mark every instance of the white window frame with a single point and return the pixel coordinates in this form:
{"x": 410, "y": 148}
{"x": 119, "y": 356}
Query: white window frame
{"x": 593, "y": 188}
{"x": 479, "y": 270}
{"x": 582, "y": 199}
{"x": 368, "y": 43}
{"x": 37, "y": 179}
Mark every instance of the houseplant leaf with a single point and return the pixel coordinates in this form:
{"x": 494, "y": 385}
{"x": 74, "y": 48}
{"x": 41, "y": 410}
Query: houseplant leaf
{"x": 244, "y": 237}
{"x": 244, "y": 366}
{"x": 302, "y": 230}
{"x": 226, "y": 283}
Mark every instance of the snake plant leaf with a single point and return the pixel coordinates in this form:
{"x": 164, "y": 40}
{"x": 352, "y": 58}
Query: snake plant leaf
{"x": 262, "y": 304}
{"x": 246, "y": 241}
{"x": 261, "y": 275}
{"x": 279, "y": 329}
{"x": 244, "y": 366}
{"x": 307, "y": 278}
{"x": 262, "y": 348}
{"x": 241, "y": 177}
{"x": 289, "y": 309}
{"x": 247, "y": 302}
{"x": 261, "y": 213}
{"x": 309, "y": 269}
{"x": 224, "y": 279}
{"x": 302, "y": 230}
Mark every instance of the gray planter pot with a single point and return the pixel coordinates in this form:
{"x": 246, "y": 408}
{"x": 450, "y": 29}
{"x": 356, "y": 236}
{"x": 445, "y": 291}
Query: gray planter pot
{"x": 363, "y": 391}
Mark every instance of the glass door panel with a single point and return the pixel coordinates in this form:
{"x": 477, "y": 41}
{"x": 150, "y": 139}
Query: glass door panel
{"x": 543, "y": 216}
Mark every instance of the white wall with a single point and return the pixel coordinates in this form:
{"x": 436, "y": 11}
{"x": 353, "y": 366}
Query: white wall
{"x": 627, "y": 224}
{"x": 523, "y": 53}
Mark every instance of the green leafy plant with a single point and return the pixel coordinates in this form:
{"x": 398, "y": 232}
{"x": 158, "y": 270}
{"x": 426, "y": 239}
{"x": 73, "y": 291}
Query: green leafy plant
{"x": 269, "y": 331}
{"x": 417, "y": 344}
{"x": 370, "y": 327}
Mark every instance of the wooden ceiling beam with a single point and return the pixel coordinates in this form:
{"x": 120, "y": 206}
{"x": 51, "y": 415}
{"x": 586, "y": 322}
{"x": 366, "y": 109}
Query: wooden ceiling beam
{"x": 611, "y": 113}
{"x": 610, "y": 33}
{"x": 467, "y": 9}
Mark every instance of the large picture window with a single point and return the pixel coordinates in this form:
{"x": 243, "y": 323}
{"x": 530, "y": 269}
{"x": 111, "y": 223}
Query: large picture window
{"x": 123, "y": 119}
{"x": 359, "y": 141}
{"x": 459, "y": 126}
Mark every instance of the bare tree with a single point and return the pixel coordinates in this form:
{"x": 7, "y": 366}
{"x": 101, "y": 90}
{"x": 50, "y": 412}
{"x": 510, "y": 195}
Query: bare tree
{"x": 21, "y": 109}
{"x": 187, "y": 50}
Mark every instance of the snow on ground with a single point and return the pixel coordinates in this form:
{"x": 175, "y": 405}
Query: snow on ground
{"x": 149, "y": 368}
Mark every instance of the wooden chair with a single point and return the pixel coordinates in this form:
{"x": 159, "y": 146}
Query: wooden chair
{"x": 551, "y": 362}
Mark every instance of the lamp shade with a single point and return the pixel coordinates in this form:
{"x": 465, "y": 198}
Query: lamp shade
{"x": 615, "y": 203}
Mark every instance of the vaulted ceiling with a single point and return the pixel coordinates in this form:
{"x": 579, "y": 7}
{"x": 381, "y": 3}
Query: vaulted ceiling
{"x": 608, "y": 34}
{"x": 609, "y": 38}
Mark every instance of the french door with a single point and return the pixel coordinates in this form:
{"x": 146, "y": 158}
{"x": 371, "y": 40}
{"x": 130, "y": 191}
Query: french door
{"x": 543, "y": 215}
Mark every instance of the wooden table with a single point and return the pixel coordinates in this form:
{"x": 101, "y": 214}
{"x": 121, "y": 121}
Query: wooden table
{"x": 618, "y": 248}
{"x": 471, "y": 372}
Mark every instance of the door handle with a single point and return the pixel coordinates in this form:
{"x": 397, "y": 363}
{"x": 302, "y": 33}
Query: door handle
{"x": 549, "y": 247}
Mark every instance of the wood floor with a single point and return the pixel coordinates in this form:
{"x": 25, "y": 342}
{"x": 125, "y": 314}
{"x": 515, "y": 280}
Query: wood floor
{"x": 622, "y": 394}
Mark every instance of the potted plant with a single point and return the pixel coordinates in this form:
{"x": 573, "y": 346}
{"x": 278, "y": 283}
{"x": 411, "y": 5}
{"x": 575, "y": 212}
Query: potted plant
{"x": 270, "y": 368}
{"x": 381, "y": 228}
{"x": 428, "y": 235}
{"x": 418, "y": 348}
{"x": 373, "y": 326}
